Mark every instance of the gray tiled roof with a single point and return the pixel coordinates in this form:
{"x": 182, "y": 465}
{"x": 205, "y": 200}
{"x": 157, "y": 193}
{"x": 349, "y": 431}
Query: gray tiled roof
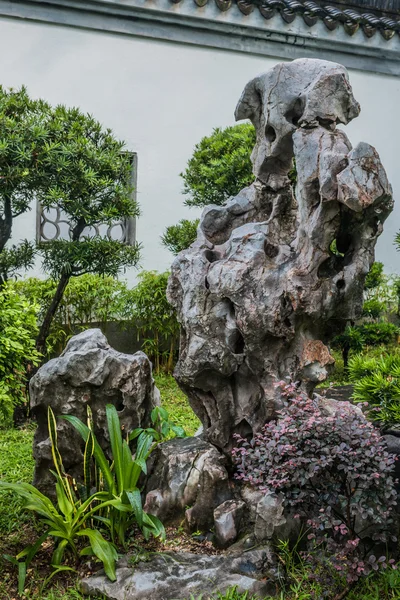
{"x": 333, "y": 16}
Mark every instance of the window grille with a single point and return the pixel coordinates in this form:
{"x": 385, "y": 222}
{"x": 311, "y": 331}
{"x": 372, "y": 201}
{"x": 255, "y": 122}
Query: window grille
{"x": 52, "y": 223}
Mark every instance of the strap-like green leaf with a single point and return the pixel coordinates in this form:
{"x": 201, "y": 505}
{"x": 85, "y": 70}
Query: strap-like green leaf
{"x": 104, "y": 551}
{"x": 114, "y": 431}
{"x": 87, "y": 460}
{"x": 98, "y": 453}
{"x": 135, "y": 500}
{"x": 57, "y": 459}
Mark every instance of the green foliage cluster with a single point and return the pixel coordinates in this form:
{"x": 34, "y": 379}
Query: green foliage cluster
{"x": 155, "y": 319}
{"x": 17, "y": 334}
{"x": 218, "y": 169}
{"x": 179, "y": 237}
{"x": 90, "y": 299}
{"x": 87, "y": 299}
{"x": 104, "y": 507}
{"x": 220, "y": 165}
{"x": 24, "y": 143}
{"x": 64, "y": 159}
{"x": 377, "y": 382}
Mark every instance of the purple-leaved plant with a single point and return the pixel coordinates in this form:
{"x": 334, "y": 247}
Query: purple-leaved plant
{"x": 333, "y": 470}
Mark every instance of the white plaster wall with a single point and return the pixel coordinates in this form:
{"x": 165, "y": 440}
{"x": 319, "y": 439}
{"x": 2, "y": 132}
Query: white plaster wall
{"x": 162, "y": 98}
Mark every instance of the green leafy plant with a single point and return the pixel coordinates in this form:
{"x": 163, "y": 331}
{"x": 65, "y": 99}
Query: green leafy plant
{"x": 17, "y": 345}
{"x": 88, "y": 178}
{"x": 154, "y": 318}
{"x": 113, "y": 506}
{"x": 121, "y": 478}
{"x": 163, "y": 428}
{"x": 23, "y": 153}
{"x": 179, "y": 237}
{"x": 377, "y": 382}
{"x": 87, "y": 299}
{"x": 220, "y": 165}
{"x": 375, "y": 276}
{"x": 373, "y": 308}
{"x": 67, "y": 520}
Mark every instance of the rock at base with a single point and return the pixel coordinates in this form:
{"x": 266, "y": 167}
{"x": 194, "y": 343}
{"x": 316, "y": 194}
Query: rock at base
{"x": 188, "y": 480}
{"x": 89, "y": 373}
{"x": 177, "y": 576}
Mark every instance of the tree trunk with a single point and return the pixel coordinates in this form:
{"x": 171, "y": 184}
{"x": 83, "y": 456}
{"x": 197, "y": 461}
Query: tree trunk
{"x": 51, "y": 311}
{"x": 5, "y": 231}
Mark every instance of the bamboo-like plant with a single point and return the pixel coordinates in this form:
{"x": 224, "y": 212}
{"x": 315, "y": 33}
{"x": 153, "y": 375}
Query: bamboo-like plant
{"x": 120, "y": 479}
{"x": 112, "y": 508}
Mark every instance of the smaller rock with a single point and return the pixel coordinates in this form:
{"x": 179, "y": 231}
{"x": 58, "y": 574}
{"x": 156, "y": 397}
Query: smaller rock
{"x": 227, "y": 521}
{"x": 188, "y": 479}
{"x": 269, "y": 516}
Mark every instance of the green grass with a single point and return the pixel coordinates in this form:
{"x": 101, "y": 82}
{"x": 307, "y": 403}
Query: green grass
{"x": 176, "y": 403}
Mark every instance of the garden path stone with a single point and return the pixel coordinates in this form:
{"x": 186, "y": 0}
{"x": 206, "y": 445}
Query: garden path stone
{"x": 89, "y": 373}
{"x": 175, "y": 576}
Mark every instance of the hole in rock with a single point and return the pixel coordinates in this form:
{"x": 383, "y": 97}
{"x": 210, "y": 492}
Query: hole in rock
{"x": 270, "y": 133}
{"x": 119, "y": 404}
{"x": 239, "y": 344}
{"x": 330, "y": 267}
{"x": 340, "y": 284}
{"x": 294, "y": 114}
{"x": 270, "y": 250}
{"x": 244, "y": 429}
{"x": 287, "y": 322}
{"x": 206, "y": 283}
{"x": 211, "y": 256}
{"x": 326, "y": 123}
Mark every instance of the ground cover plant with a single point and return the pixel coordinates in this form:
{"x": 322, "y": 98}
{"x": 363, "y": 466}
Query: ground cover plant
{"x": 335, "y": 474}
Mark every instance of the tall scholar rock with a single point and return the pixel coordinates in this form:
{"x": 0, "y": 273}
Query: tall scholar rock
{"x": 279, "y": 269}
{"x": 89, "y": 373}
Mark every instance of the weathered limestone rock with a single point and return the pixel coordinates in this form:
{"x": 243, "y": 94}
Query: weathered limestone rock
{"x": 278, "y": 270}
{"x": 189, "y": 480}
{"x": 88, "y": 373}
{"x": 178, "y": 576}
{"x": 227, "y": 521}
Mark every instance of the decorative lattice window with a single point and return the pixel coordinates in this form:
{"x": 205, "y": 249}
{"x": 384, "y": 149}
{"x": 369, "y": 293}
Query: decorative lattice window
{"x": 53, "y": 224}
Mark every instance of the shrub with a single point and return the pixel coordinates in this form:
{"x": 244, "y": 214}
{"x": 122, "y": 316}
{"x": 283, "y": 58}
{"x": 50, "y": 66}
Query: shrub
{"x": 154, "y": 318}
{"x": 87, "y": 299}
{"x": 220, "y": 165}
{"x": 17, "y": 346}
{"x": 366, "y": 334}
{"x": 373, "y": 308}
{"x": 375, "y": 276}
{"x": 334, "y": 471}
{"x": 24, "y": 150}
{"x": 377, "y": 382}
{"x": 179, "y": 237}
{"x": 375, "y": 334}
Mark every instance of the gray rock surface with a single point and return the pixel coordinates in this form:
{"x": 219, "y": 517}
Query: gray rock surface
{"x": 176, "y": 576}
{"x": 228, "y": 518}
{"x": 278, "y": 270}
{"x": 188, "y": 480}
{"x": 88, "y": 373}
